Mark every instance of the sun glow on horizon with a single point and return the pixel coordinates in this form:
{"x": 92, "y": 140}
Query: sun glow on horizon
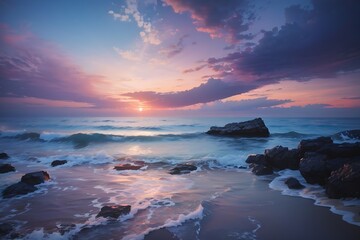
{"x": 140, "y": 109}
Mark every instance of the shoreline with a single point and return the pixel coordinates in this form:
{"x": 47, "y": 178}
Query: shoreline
{"x": 266, "y": 214}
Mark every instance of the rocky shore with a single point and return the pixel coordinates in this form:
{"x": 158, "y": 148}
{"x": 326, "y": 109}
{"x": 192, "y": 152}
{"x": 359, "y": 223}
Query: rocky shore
{"x": 320, "y": 161}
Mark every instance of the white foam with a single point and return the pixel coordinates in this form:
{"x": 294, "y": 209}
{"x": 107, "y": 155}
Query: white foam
{"x": 317, "y": 193}
{"x": 196, "y": 214}
{"x": 100, "y": 157}
{"x": 248, "y": 235}
{"x": 48, "y": 136}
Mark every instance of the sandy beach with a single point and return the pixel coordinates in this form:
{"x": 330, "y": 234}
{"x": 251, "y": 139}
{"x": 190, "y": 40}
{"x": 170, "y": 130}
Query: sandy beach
{"x": 253, "y": 211}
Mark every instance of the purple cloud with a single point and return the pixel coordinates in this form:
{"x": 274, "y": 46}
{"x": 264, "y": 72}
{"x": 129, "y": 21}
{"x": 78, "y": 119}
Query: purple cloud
{"x": 174, "y": 49}
{"x": 269, "y": 108}
{"x": 32, "y": 67}
{"x": 318, "y": 42}
{"x": 244, "y": 105}
{"x": 212, "y": 90}
{"x": 230, "y": 19}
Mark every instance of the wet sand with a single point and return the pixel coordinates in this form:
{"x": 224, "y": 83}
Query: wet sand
{"x": 236, "y": 205}
{"x": 254, "y": 211}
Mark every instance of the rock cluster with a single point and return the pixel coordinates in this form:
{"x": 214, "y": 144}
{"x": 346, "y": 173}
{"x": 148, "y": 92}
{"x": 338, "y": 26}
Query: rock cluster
{"x": 320, "y": 161}
{"x": 252, "y": 128}
{"x": 26, "y": 185}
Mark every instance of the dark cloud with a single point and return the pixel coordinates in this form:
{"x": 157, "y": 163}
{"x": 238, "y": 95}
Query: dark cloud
{"x": 318, "y": 42}
{"x": 351, "y": 98}
{"x": 210, "y": 91}
{"x": 230, "y": 19}
{"x": 174, "y": 49}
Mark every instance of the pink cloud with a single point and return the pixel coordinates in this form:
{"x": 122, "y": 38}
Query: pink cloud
{"x": 32, "y": 68}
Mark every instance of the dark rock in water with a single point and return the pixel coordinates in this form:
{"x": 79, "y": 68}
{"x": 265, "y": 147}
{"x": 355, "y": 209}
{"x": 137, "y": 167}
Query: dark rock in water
{"x": 252, "y": 128}
{"x": 161, "y": 233}
{"x": 63, "y": 228}
{"x": 58, "y": 162}
{"x": 114, "y": 211}
{"x": 182, "y": 169}
{"x": 35, "y": 178}
{"x": 313, "y": 168}
{"x": 312, "y": 145}
{"x": 127, "y": 166}
{"x": 5, "y": 229}
{"x": 344, "y": 182}
{"x": 4, "y": 155}
{"x": 259, "y": 170}
{"x": 281, "y": 157}
{"x": 19, "y": 188}
{"x": 350, "y": 134}
{"x": 293, "y": 183}
{"x": 4, "y": 168}
{"x": 256, "y": 158}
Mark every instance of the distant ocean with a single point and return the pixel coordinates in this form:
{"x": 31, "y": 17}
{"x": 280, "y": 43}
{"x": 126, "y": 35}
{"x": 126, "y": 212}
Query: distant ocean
{"x": 66, "y": 206}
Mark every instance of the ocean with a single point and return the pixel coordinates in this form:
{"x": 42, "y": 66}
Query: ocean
{"x": 222, "y": 199}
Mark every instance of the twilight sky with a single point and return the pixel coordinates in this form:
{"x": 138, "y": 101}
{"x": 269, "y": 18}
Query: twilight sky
{"x": 287, "y": 58}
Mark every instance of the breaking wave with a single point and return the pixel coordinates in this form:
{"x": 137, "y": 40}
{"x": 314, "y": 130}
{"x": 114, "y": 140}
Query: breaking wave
{"x": 81, "y": 140}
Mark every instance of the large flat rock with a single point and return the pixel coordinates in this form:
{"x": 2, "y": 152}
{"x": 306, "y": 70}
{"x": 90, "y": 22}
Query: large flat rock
{"x": 252, "y": 128}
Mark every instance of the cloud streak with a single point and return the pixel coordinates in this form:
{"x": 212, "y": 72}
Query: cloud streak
{"x": 174, "y": 49}
{"x": 212, "y": 90}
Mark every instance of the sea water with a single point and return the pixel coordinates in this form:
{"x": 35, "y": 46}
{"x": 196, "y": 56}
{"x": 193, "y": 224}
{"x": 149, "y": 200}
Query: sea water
{"x": 67, "y": 205}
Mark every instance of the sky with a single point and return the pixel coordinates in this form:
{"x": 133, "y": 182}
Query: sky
{"x": 269, "y": 58}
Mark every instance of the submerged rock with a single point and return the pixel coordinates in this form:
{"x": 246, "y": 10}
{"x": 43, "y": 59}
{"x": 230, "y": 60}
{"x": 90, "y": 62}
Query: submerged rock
{"x": 64, "y": 227}
{"x": 5, "y": 229}
{"x": 182, "y": 169}
{"x": 252, "y": 128}
{"x": 4, "y": 168}
{"x": 4, "y": 155}
{"x": 344, "y": 182}
{"x": 19, "y": 188}
{"x": 114, "y": 211}
{"x": 127, "y": 166}
{"x": 293, "y": 183}
{"x": 58, "y": 162}
{"x": 35, "y": 178}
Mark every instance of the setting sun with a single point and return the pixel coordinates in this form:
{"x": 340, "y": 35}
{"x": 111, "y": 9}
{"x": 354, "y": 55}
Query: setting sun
{"x": 140, "y": 109}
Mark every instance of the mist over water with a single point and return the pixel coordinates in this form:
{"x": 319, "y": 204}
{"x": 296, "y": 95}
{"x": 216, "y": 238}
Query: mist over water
{"x": 66, "y": 206}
